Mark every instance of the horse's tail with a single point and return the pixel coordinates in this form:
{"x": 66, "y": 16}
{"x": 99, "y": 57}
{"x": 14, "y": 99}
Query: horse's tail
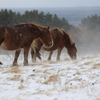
{"x": 39, "y": 55}
{"x": 3, "y": 32}
{"x": 34, "y": 44}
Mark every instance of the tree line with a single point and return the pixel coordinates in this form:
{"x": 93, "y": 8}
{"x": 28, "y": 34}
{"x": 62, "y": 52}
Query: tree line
{"x": 10, "y": 18}
{"x": 84, "y": 35}
{"x": 91, "y": 22}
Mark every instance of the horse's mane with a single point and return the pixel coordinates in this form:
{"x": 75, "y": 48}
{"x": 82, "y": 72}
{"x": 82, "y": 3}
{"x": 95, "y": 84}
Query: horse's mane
{"x": 41, "y": 28}
{"x": 59, "y": 30}
{"x": 69, "y": 40}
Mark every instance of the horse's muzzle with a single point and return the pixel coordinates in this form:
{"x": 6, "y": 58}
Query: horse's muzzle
{"x": 50, "y": 44}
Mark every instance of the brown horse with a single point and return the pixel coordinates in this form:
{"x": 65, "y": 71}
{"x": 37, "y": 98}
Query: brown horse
{"x": 22, "y": 36}
{"x": 60, "y": 40}
{"x": 35, "y": 48}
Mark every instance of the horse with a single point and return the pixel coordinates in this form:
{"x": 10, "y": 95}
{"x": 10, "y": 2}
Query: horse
{"x": 21, "y": 36}
{"x": 61, "y": 39}
{"x": 35, "y": 48}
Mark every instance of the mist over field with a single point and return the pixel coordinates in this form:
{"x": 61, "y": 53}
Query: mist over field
{"x": 87, "y": 41}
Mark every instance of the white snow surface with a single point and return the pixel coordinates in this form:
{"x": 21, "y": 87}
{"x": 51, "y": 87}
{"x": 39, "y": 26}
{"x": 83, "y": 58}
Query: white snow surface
{"x": 50, "y": 80}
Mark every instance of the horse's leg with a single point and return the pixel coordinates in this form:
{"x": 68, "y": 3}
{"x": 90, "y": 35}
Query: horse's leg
{"x": 38, "y": 54}
{"x": 35, "y": 53}
{"x": 17, "y": 52}
{"x": 26, "y": 49}
{"x": 50, "y": 54}
{"x": 59, "y": 53}
{"x": 34, "y": 56}
{"x": 32, "y": 52}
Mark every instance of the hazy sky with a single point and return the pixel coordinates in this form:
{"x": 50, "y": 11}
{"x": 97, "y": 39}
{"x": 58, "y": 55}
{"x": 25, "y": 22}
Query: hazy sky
{"x": 48, "y": 3}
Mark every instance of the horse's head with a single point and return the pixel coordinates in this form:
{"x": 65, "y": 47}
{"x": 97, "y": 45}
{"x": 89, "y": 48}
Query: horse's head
{"x": 72, "y": 51}
{"x": 46, "y": 38}
{"x": 70, "y": 45}
{"x": 41, "y": 33}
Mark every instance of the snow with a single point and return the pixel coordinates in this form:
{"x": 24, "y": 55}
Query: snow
{"x": 51, "y": 80}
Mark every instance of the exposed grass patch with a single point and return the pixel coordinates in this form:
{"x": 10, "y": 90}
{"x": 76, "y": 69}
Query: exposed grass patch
{"x": 50, "y": 61}
{"x": 15, "y": 78}
{"x": 47, "y": 66}
{"x": 21, "y": 87}
{"x": 53, "y": 78}
{"x": 14, "y": 70}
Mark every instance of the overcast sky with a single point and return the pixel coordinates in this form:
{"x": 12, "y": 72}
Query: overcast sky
{"x": 48, "y": 3}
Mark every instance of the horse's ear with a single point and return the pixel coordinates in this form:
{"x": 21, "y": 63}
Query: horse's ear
{"x": 73, "y": 44}
{"x": 48, "y": 27}
{"x": 3, "y": 28}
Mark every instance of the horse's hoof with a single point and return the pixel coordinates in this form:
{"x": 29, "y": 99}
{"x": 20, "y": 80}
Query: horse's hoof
{"x": 58, "y": 59}
{"x": 15, "y": 64}
{"x": 1, "y": 63}
{"x": 26, "y": 64}
{"x": 49, "y": 59}
{"x": 33, "y": 61}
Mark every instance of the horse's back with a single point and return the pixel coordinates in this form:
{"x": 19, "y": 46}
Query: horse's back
{"x": 15, "y": 37}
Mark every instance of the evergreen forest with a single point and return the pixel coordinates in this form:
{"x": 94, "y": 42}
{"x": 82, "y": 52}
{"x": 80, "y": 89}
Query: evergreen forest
{"x": 10, "y": 18}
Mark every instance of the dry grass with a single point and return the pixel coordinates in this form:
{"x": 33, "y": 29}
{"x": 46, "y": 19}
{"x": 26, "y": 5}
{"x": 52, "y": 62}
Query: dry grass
{"x": 15, "y": 78}
{"x": 42, "y": 93}
{"x": 36, "y": 64}
{"x": 14, "y": 70}
{"x": 53, "y": 78}
{"x": 76, "y": 61}
{"x": 7, "y": 98}
{"x": 47, "y": 66}
{"x": 37, "y": 71}
{"x": 50, "y": 61}
{"x": 56, "y": 99}
{"x": 98, "y": 64}
{"x": 47, "y": 72}
{"x": 90, "y": 57}
{"x": 86, "y": 63}
{"x": 78, "y": 73}
{"x": 67, "y": 59}
{"x": 21, "y": 87}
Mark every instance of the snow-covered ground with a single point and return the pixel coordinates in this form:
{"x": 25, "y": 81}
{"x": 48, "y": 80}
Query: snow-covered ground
{"x": 51, "y": 80}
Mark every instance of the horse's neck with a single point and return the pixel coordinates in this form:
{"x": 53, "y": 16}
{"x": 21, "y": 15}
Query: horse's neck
{"x": 68, "y": 39}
